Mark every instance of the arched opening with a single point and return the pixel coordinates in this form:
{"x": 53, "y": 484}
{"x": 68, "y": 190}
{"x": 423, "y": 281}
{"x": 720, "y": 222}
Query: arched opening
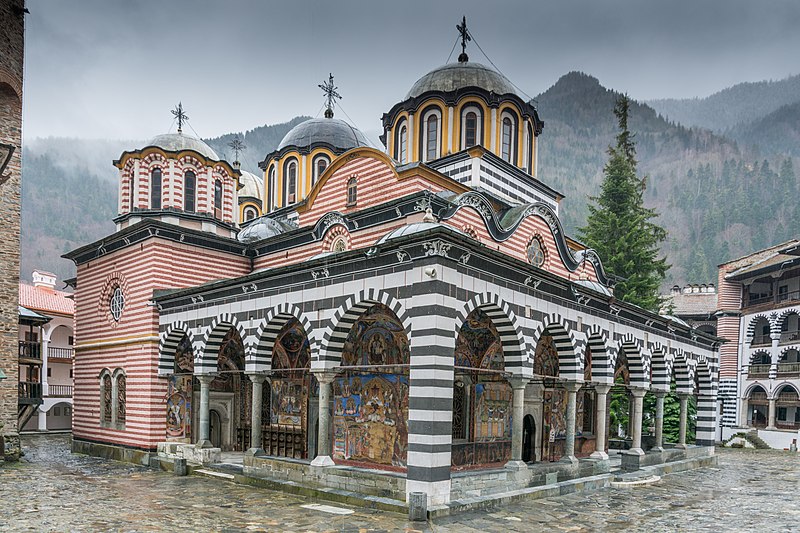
{"x": 430, "y": 135}
{"x": 215, "y": 428}
{"x": 482, "y": 397}
{"x": 471, "y": 129}
{"x": 759, "y": 364}
{"x": 787, "y": 408}
{"x": 230, "y": 394}
{"x": 59, "y": 417}
{"x": 757, "y": 407}
{"x": 790, "y": 328}
{"x": 507, "y": 146}
{"x": 218, "y": 199}
{"x": 155, "y": 188}
{"x": 352, "y": 191}
{"x": 402, "y": 144}
{"x": 250, "y": 213}
{"x": 528, "y": 438}
{"x": 321, "y": 163}
{"x": 189, "y": 191}
{"x": 290, "y": 182}
{"x": 370, "y": 416}
{"x": 620, "y": 405}
{"x": 789, "y": 363}
{"x": 285, "y": 412}
{"x": 271, "y": 189}
{"x": 761, "y": 333}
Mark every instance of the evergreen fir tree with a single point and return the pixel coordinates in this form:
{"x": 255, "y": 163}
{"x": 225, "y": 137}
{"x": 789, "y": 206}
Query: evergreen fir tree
{"x": 621, "y": 229}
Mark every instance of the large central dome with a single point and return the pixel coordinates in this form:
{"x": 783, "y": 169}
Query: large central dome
{"x": 454, "y": 76}
{"x": 331, "y": 131}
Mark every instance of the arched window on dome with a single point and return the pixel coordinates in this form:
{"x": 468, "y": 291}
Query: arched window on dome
{"x": 529, "y": 148}
{"x": 507, "y": 150}
{"x": 155, "y": 188}
{"x": 132, "y": 187}
{"x": 270, "y": 189}
{"x": 189, "y": 191}
{"x": 321, "y": 163}
{"x": 430, "y": 137}
{"x": 401, "y": 143}
{"x": 250, "y": 213}
{"x": 290, "y": 182}
{"x": 352, "y": 191}
{"x": 218, "y": 199}
{"x": 471, "y": 126}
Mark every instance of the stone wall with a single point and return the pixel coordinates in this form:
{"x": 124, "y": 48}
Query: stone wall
{"x": 11, "y": 58}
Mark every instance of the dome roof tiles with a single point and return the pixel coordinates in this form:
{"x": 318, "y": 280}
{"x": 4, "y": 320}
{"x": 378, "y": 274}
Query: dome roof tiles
{"x": 455, "y": 76}
{"x": 252, "y": 185}
{"x": 175, "y": 142}
{"x": 332, "y": 131}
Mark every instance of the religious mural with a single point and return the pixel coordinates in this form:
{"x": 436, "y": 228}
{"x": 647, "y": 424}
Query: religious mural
{"x": 371, "y": 399}
{"x": 483, "y": 392}
{"x": 179, "y": 393}
{"x": 290, "y": 384}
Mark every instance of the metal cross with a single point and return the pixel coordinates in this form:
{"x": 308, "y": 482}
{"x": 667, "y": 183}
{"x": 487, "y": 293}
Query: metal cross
{"x": 180, "y": 115}
{"x": 465, "y": 38}
{"x": 237, "y": 145}
{"x": 331, "y": 95}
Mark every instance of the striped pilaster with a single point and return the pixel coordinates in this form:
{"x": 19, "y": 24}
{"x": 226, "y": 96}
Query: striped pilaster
{"x": 728, "y": 392}
{"x": 706, "y": 420}
{"x": 430, "y": 404}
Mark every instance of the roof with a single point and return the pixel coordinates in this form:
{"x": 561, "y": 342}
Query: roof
{"x": 27, "y": 316}
{"x": 252, "y": 186}
{"x": 763, "y": 261}
{"x": 175, "y": 142}
{"x": 454, "y": 76}
{"x": 693, "y": 303}
{"x": 332, "y": 131}
{"x": 47, "y": 300}
{"x": 416, "y": 227}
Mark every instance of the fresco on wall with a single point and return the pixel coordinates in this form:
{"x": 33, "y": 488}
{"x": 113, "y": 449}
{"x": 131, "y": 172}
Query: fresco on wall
{"x": 179, "y": 407}
{"x": 290, "y": 384}
{"x": 371, "y": 407}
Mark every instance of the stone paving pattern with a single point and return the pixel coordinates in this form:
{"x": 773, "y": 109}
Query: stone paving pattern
{"x": 53, "y": 490}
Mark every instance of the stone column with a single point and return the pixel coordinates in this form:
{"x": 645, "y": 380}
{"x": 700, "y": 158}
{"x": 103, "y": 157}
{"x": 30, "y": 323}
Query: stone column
{"x": 600, "y": 424}
{"x": 771, "y": 419}
{"x": 204, "y": 427}
{"x": 638, "y": 411}
{"x": 323, "y": 457}
{"x": 518, "y": 413}
{"x": 659, "y": 446}
{"x": 45, "y": 355}
{"x": 743, "y": 415}
{"x": 684, "y": 398}
{"x": 255, "y": 415}
{"x": 569, "y": 446}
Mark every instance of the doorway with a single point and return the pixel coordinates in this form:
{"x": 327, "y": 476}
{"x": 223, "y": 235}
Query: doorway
{"x": 215, "y": 428}
{"x": 528, "y": 438}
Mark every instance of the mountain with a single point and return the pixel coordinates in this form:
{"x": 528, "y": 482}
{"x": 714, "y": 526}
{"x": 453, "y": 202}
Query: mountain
{"x": 741, "y": 104}
{"x": 775, "y": 133}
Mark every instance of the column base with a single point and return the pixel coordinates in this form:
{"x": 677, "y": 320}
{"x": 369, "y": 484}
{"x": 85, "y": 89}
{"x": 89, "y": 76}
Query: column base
{"x": 516, "y": 465}
{"x": 600, "y": 456}
{"x": 323, "y": 460}
{"x": 568, "y": 459}
{"x": 657, "y": 449}
{"x": 771, "y": 428}
{"x": 680, "y": 446}
{"x": 255, "y": 452}
{"x": 204, "y": 444}
{"x": 634, "y": 451}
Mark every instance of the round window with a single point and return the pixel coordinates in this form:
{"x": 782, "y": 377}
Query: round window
{"x": 117, "y": 303}
{"x": 536, "y": 253}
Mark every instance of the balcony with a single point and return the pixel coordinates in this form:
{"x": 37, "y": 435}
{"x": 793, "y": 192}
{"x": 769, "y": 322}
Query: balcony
{"x": 766, "y": 301}
{"x": 60, "y": 353}
{"x": 30, "y": 393}
{"x": 788, "y": 369}
{"x": 782, "y": 424}
{"x": 761, "y": 340}
{"x": 59, "y": 391}
{"x": 30, "y": 350}
{"x": 758, "y": 371}
{"x": 789, "y": 337}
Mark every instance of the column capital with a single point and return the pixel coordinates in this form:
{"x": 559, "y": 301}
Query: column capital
{"x": 573, "y": 386}
{"x": 324, "y": 376}
{"x": 659, "y": 393}
{"x": 257, "y": 377}
{"x": 684, "y": 395}
{"x": 638, "y": 392}
{"x": 205, "y": 379}
{"x": 518, "y": 382}
{"x": 602, "y": 388}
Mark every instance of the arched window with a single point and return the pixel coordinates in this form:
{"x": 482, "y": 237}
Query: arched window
{"x": 529, "y": 140}
{"x": 352, "y": 191}
{"x": 290, "y": 183}
{"x": 507, "y": 139}
{"x": 320, "y": 164}
{"x": 218, "y": 199}
{"x": 131, "y": 185}
{"x": 106, "y": 407}
{"x": 339, "y": 244}
{"x": 402, "y": 144}
{"x": 430, "y": 135}
{"x": 250, "y": 213}
{"x": 189, "y": 191}
{"x": 155, "y": 189}
{"x": 270, "y": 189}
{"x": 471, "y": 126}
{"x": 121, "y": 399}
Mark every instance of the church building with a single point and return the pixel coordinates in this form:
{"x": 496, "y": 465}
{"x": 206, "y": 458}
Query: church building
{"x": 413, "y": 315}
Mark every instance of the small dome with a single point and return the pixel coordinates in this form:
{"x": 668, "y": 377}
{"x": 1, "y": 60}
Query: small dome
{"x": 175, "y": 142}
{"x": 597, "y": 287}
{"x": 410, "y": 229}
{"x": 252, "y": 185}
{"x": 260, "y": 229}
{"x": 337, "y": 133}
{"x": 454, "y": 76}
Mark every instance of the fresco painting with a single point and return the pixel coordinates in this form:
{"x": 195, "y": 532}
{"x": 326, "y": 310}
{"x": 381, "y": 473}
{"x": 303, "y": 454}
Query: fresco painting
{"x": 290, "y": 384}
{"x": 179, "y": 407}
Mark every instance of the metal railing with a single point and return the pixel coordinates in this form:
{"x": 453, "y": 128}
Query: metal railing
{"x": 59, "y": 353}
{"x": 29, "y": 390}
{"x": 788, "y": 368}
{"x": 774, "y": 298}
{"x": 59, "y": 391}
{"x": 30, "y": 349}
{"x": 756, "y": 371}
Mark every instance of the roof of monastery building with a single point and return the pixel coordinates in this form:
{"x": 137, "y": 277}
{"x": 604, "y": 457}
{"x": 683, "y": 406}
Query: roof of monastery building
{"x": 332, "y": 131}
{"x": 252, "y": 185}
{"x": 45, "y": 299}
{"x": 763, "y": 261}
{"x": 177, "y": 142}
{"x": 454, "y": 76}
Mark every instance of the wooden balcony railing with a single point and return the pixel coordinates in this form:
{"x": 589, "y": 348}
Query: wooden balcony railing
{"x": 788, "y": 337}
{"x": 758, "y": 371}
{"x": 30, "y": 391}
{"x": 59, "y": 391}
{"x": 788, "y": 368}
{"x": 787, "y": 424}
{"x": 776, "y": 298}
{"x": 30, "y": 349}
{"x": 59, "y": 353}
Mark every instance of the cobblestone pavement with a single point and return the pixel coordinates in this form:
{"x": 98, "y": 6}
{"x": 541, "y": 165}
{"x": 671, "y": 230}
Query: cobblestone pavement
{"x": 53, "y": 490}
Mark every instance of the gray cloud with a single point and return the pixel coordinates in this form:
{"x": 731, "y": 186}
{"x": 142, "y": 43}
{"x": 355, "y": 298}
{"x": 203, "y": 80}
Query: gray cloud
{"x": 114, "y": 69}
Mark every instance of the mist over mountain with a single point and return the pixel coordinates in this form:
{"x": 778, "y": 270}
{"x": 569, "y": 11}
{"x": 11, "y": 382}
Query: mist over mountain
{"x": 719, "y": 195}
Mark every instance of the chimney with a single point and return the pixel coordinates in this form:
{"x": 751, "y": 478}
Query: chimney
{"x": 44, "y": 280}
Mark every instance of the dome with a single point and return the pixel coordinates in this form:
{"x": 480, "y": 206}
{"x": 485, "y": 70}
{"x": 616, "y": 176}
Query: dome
{"x": 410, "y": 229}
{"x": 597, "y": 287}
{"x": 332, "y": 131}
{"x": 454, "y": 76}
{"x": 252, "y": 185}
{"x": 260, "y": 229}
{"x": 175, "y": 142}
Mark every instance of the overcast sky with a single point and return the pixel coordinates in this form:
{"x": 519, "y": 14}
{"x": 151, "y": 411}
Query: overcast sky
{"x": 114, "y": 69}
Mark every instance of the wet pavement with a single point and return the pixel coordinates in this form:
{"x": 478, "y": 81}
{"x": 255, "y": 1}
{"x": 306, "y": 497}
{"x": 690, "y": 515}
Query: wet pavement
{"x": 53, "y": 490}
